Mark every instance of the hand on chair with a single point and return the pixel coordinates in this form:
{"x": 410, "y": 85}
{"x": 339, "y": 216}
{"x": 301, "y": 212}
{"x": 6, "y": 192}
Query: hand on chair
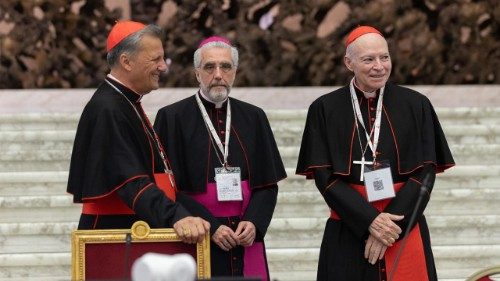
{"x": 191, "y": 229}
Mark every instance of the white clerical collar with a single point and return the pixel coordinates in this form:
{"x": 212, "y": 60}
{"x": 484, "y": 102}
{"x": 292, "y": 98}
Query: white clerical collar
{"x": 110, "y": 76}
{"x": 217, "y": 104}
{"x": 366, "y": 94}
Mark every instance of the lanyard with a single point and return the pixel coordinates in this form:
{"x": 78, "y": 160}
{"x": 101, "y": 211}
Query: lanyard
{"x": 155, "y": 137}
{"x": 224, "y": 149}
{"x": 378, "y": 118}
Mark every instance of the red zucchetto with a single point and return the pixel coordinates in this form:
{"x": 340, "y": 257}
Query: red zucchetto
{"x": 214, "y": 39}
{"x": 121, "y": 30}
{"x": 359, "y": 31}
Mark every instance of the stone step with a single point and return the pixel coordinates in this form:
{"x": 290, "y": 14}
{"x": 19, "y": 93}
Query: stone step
{"x": 452, "y": 262}
{"x": 446, "y": 115}
{"x": 460, "y": 176}
{"x": 309, "y": 195}
{"x": 48, "y": 139}
{"x": 35, "y": 160}
{"x": 286, "y": 134}
{"x": 38, "y": 121}
{"x": 54, "y": 182}
{"x": 27, "y": 208}
{"x": 44, "y": 244}
{"x": 55, "y": 156}
{"x": 33, "y": 183}
{"x": 463, "y": 261}
{"x": 19, "y": 237}
{"x": 464, "y": 154}
{"x": 36, "y": 237}
{"x": 299, "y": 204}
{"x": 291, "y": 135}
{"x": 464, "y": 229}
{"x": 458, "y": 202}
{"x": 445, "y": 230}
{"x": 470, "y": 176}
{"x": 38, "y": 278}
{"x": 35, "y": 266}
{"x": 56, "y": 121}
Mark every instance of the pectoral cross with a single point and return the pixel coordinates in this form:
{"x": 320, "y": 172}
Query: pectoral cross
{"x": 362, "y": 162}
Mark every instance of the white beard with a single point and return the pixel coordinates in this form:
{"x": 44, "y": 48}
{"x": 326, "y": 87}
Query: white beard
{"x": 216, "y": 94}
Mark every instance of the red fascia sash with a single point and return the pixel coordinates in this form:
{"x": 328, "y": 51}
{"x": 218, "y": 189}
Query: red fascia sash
{"x": 361, "y": 189}
{"x": 168, "y": 187}
{"x": 112, "y": 204}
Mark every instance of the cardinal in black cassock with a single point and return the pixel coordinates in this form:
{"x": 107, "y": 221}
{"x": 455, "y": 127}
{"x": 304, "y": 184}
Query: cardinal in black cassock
{"x": 118, "y": 168}
{"x": 406, "y": 135}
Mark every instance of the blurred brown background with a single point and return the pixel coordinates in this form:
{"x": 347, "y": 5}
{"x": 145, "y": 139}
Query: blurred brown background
{"x": 61, "y": 44}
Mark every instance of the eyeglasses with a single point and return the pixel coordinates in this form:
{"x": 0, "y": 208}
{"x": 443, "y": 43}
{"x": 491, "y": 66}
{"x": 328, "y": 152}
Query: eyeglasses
{"x": 224, "y": 67}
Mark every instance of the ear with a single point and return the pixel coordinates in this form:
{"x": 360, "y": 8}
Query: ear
{"x": 125, "y": 62}
{"x": 197, "y": 73}
{"x": 348, "y": 63}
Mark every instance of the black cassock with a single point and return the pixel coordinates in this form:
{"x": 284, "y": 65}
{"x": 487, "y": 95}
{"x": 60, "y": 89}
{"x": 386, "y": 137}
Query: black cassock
{"x": 113, "y": 162}
{"x": 412, "y": 140}
{"x": 194, "y": 156}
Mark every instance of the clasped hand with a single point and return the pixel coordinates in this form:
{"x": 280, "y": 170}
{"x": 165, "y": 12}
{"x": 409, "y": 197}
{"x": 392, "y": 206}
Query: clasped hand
{"x": 227, "y": 239}
{"x": 385, "y": 229}
{"x": 383, "y": 233}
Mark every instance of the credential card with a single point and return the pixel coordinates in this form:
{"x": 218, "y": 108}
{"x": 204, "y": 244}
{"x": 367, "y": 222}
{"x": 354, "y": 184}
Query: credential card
{"x": 228, "y": 184}
{"x": 379, "y": 184}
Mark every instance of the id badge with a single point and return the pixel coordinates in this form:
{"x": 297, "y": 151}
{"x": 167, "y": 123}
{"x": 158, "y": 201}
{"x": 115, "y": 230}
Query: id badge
{"x": 228, "y": 182}
{"x": 378, "y": 182}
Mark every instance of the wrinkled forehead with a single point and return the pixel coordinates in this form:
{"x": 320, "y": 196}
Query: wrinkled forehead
{"x": 150, "y": 42}
{"x": 370, "y": 43}
{"x": 216, "y": 54}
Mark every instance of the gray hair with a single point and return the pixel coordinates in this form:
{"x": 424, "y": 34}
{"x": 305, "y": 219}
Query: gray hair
{"x": 349, "y": 51}
{"x": 131, "y": 43}
{"x": 215, "y": 44}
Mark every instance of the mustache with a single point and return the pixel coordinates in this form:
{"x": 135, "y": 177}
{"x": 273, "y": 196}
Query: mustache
{"x": 218, "y": 84}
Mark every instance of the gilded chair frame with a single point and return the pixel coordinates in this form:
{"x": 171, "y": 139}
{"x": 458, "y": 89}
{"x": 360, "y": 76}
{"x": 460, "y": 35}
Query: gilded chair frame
{"x": 486, "y": 272}
{"x": 140, "y": 233}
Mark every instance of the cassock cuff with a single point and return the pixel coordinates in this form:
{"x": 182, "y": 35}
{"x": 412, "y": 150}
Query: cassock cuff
{"x": 180, "y": 213}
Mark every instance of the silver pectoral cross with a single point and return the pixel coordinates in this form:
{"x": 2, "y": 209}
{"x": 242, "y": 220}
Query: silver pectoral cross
{"x": 362, "y": 162}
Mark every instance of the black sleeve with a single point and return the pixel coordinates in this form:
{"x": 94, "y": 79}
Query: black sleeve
{"x": 351, "y": 207}
{"x": 261, "y": 208}
{"x": 314, "y": 148}
{"x": 198, "y": 210}
{"x": 150, "y": 203}
{"x": 407, "y": 196}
